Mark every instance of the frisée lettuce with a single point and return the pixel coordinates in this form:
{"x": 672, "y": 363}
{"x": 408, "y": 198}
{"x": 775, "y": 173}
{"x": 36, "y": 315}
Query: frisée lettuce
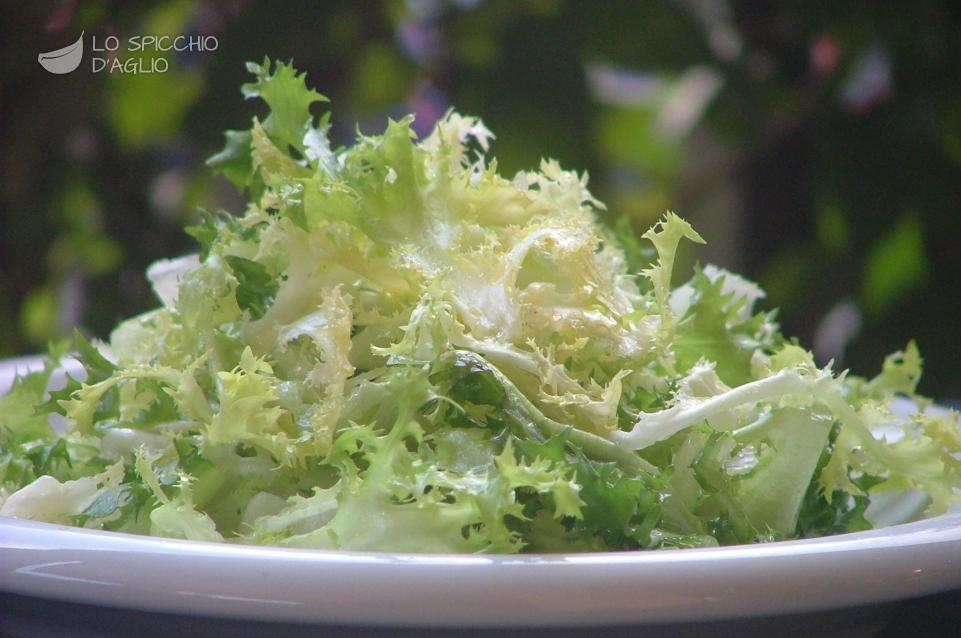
{"x": 395, "y": 348}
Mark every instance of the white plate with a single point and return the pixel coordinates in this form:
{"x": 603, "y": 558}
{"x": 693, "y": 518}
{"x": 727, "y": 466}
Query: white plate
{"x": 349, "y": 588}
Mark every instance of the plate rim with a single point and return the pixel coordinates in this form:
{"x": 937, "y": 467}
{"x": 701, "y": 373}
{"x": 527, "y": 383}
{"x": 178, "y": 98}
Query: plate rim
{"x": 875, "y": 567}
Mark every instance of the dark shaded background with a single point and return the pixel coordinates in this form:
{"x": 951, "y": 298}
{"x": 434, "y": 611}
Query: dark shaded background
{"x": 816, "y": 145}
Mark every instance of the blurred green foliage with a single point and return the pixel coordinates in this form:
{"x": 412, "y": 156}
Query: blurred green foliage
{"x": 817, "y": 146}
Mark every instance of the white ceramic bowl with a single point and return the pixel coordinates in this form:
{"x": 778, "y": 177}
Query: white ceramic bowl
{"x": 329, "y": 587}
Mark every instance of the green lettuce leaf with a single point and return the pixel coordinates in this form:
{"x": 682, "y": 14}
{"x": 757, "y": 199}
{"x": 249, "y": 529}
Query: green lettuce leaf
{"x": 396, "y": 348}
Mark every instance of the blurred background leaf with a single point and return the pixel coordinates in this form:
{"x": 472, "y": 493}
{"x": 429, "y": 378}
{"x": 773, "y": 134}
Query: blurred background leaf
{"x": 817, "y": 146}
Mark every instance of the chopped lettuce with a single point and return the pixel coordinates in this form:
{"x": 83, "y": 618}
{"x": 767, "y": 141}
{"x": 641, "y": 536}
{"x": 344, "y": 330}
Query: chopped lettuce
{"x": 396, "y": 348}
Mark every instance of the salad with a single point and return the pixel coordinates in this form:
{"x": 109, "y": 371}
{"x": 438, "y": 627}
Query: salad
{"x": 395, "y": 348}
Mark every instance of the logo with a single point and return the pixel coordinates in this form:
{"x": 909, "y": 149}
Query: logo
{"x": 63, "y": 60}
{"x": 135, "y": 54}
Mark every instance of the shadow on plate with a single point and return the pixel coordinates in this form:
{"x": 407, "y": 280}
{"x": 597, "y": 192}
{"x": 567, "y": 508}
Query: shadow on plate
{"x": 27, "y": 617}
